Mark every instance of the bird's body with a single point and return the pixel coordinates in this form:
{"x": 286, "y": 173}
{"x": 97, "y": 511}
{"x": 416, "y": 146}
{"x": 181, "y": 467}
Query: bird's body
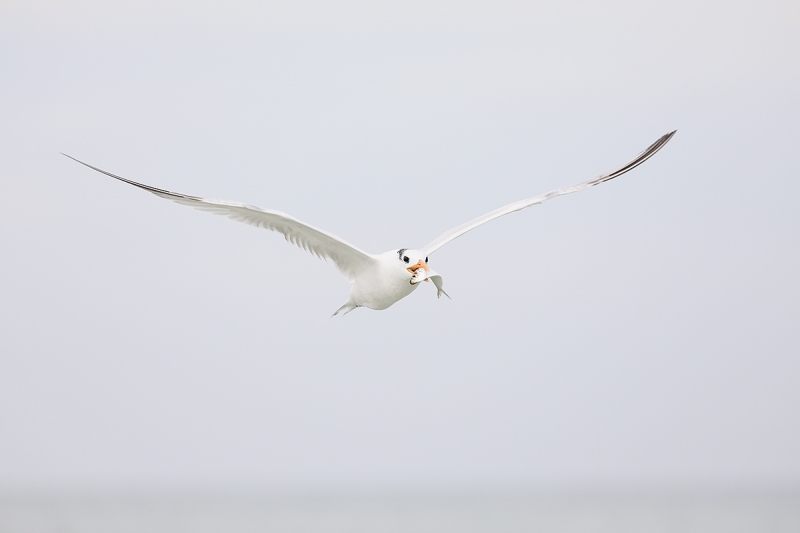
{"x": 385, "y": 284}
{"x": 379, "y": 281}
{"x": 381, "y": 286}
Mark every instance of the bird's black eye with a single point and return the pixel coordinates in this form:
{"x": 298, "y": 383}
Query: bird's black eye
{"x": 405, "y": 258}
{"x": 426, "y": 259}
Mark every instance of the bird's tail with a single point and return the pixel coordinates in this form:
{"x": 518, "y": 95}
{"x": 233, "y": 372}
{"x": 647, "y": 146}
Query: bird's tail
{"x": 347, "y": 307}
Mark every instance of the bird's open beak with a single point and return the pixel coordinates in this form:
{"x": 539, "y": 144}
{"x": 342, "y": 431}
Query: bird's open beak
{"x": 420, "y": 264}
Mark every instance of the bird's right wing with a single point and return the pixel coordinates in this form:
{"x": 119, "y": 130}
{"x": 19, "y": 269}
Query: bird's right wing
{"x": 456, "y": 232}
{"x": 348, "y": 259}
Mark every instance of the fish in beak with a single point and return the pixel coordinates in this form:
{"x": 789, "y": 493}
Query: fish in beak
{"x": 420, "y": 272}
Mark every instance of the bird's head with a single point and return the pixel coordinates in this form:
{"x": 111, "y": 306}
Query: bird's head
{"x": 412, "y": 259}
{"x": 415, "y": 263}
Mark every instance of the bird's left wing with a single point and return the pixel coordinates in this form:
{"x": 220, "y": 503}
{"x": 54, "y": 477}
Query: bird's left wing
{"x": 348, "y": 259}
{"x": 456, "y": 232}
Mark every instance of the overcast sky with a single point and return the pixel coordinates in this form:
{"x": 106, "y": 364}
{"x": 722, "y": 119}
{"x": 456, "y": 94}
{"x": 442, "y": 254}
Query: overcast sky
{"x": 643, "y": 332}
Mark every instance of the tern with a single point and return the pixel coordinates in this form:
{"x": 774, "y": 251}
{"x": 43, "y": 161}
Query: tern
{"x": 378, "y": 281}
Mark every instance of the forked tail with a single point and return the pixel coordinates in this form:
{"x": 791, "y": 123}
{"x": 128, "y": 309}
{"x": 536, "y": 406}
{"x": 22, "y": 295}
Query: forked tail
{"x": 347, "y": 307}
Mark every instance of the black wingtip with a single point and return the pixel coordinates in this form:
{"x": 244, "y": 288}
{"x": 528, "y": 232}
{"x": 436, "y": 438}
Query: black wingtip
{"x": 79, "y": 161}
{"x": 154, "y": 190}
{"x": 649, "y": 152}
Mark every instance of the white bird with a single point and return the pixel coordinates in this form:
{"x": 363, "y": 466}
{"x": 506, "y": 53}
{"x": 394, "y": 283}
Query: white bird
{"x": 378, "y": 281}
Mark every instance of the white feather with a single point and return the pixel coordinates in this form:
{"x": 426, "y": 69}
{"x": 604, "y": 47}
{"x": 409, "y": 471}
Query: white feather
{"x": 458, "y": 231}
{"x": 348, "y": 259}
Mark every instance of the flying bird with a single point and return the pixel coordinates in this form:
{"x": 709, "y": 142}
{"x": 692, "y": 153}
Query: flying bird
{"x": 378, "y": 281}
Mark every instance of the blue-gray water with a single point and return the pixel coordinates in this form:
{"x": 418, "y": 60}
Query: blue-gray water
{"x": 583, "y": 512}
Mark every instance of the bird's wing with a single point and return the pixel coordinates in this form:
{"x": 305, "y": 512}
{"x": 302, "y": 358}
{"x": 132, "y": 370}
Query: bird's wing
{"x": 348, "y": 259}
{"x": 456, "y": 232}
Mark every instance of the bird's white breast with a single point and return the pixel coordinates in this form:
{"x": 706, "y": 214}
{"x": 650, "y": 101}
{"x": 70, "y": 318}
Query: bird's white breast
{"x": 383, "y": 285}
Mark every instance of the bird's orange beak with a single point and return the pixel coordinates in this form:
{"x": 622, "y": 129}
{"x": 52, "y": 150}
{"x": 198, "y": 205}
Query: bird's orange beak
{"x": 420, "y": 264}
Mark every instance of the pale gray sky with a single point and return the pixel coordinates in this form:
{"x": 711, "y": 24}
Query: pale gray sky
{"x": 641, "y": 332}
